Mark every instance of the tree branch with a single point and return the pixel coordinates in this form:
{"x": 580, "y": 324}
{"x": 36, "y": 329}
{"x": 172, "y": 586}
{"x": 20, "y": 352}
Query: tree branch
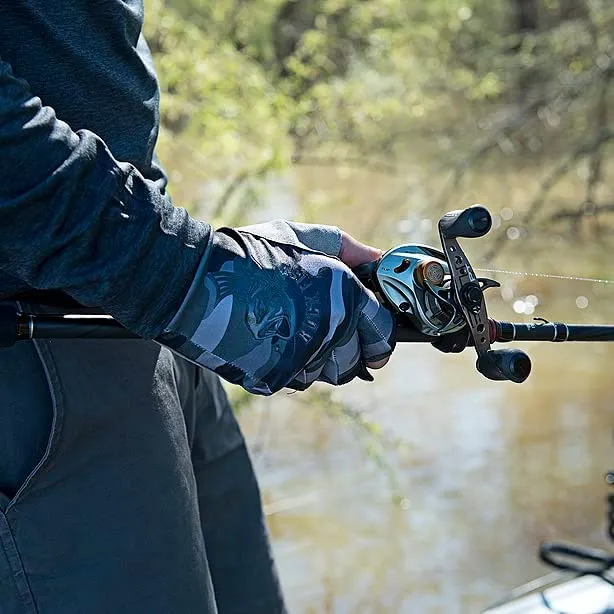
{"x": 550, "y": 181}
{"x": 515, "y": 121}
{"x": 236, "y": 184}
{"x": 585, "y": 211}
{"x": 350, "y": 162}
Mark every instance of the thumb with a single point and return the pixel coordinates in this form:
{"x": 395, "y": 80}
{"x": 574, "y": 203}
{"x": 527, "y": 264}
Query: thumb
{"x": 353, "y": 252}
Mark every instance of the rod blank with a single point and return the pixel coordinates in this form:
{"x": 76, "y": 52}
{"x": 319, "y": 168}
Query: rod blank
{"x": 550, "y": 331}
{"x": 15, "y": 326}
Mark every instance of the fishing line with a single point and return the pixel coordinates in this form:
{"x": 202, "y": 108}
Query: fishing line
{"x": 548, "y": 276}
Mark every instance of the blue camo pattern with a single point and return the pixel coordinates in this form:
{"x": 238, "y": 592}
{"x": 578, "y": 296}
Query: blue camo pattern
{"x": 267, "y": 314}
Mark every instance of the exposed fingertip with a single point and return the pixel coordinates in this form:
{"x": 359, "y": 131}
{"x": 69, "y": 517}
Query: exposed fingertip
{"x": 378, "y": 364}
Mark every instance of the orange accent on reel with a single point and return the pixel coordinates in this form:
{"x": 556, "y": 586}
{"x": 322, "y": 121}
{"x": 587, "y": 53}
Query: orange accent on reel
{"x": 431, "y": 271}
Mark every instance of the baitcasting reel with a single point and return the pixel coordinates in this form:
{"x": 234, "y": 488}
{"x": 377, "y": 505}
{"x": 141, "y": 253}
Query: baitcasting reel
{"x": 437, "y": 294}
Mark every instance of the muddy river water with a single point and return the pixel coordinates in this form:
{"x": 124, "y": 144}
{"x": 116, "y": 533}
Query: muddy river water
{"x": 440, "y": 508}
{"x": 483, "y": 472}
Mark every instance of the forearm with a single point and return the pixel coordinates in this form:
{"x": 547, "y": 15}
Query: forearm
{"x": 73, "y": 218}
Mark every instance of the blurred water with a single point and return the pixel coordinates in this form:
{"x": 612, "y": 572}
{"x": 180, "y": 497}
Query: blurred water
{"x": 481, "y": 471}
{"x": 488, "y": 470}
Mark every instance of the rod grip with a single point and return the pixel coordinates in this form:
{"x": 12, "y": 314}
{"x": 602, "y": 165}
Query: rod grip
{"x": 367, "y": 274}
{"x": 408, "y": 334}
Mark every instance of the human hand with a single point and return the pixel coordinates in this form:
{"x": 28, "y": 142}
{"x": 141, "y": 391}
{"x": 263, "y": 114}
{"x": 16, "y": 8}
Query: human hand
{"x": 353, "y": 252}
{"x": 276, "y": 305}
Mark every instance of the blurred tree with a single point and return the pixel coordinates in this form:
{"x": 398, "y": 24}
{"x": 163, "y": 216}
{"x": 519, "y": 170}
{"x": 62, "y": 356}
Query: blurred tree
{"x": 250, "y": 87}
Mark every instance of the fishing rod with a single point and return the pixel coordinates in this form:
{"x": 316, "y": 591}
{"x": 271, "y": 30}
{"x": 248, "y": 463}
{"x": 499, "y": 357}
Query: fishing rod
{"x": 434, "y": 293}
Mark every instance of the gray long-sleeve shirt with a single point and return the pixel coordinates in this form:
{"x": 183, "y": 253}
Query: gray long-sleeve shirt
{"x": 82, "y": 208}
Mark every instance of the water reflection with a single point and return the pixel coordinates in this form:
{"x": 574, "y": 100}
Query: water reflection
{"x": 488, "y": 470}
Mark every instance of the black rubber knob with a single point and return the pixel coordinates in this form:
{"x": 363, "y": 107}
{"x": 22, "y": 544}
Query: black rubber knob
{"x": 518, "y": 366}
{"x": 511, "y": 365}
{"x": 479, "y": 221}
{"x": 472, "y": 222}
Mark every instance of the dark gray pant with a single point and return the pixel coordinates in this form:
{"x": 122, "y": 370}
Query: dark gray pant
{"x": 127, "y": 486}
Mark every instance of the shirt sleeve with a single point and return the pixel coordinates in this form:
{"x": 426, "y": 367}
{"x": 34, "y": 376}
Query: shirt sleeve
{"x": 73, "y": 218}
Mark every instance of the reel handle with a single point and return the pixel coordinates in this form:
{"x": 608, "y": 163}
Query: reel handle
{"x": 498, "y": 365}
{"x": 471, "y": 223}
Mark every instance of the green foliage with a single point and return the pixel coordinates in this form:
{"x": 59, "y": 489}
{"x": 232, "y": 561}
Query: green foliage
{"x": 220, "y": 103}
{"x": 252, "y": 87}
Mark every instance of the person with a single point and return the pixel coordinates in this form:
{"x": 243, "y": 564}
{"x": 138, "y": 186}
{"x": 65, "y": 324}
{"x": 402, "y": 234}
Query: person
{"x": 125, "y": 483}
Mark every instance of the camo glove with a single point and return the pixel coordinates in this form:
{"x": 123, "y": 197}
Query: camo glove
{"x": 271, "y": 306}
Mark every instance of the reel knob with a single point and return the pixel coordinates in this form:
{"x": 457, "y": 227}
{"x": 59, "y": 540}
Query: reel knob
{"x": 511, "y": 365}
{"x": 472, "y": 222}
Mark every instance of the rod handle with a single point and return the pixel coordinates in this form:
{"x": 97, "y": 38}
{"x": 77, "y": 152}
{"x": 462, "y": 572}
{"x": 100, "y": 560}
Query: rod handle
{"x": 408, "y": 334}
{"x": 367, "y": 274}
